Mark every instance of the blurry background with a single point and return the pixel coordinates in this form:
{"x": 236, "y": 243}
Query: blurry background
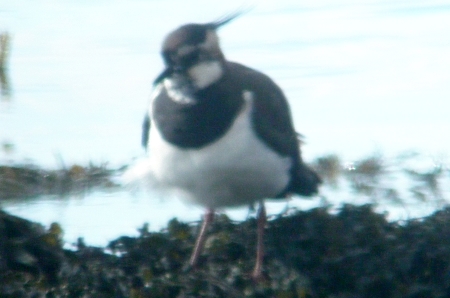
{"x": 365, "y": 79}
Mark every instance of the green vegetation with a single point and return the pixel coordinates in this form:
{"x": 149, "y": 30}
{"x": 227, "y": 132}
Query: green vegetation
{"x": 23, "y": 181}
{"x": 379, "y": 180}
{"x": 382, "y": 180}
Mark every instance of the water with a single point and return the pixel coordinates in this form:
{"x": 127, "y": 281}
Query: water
{"x": 361, "y": 76}
{"x": 100, "y": 217}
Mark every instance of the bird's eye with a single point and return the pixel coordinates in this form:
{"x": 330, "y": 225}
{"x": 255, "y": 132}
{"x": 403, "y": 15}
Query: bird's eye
{"x": 190, "y": 59}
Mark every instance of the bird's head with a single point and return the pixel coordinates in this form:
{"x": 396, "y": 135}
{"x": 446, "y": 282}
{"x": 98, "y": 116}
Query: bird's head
{"x": 193, "y": 52}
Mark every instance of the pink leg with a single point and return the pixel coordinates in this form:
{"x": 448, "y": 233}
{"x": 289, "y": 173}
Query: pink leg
{"x": 261, "y": 221}
{"x": 209, "y": 216}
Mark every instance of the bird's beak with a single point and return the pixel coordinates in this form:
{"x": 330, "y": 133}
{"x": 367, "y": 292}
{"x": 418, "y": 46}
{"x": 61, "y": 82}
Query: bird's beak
{"x": 166, "y": 73}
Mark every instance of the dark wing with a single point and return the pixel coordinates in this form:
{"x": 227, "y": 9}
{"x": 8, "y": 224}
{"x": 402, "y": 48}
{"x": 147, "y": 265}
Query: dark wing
{"x": 273, "y": 124}
{"x": 271, "y": 113}
{"x": 145, "y": 131}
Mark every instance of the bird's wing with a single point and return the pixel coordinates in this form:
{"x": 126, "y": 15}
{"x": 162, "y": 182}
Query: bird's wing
{"x": 271, "y": 113}
{"x": 273, "y": 124}
{"x": 145, "y": 131}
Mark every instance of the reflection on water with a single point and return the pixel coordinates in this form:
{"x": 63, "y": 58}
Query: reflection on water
{"x": 100, "y": 217}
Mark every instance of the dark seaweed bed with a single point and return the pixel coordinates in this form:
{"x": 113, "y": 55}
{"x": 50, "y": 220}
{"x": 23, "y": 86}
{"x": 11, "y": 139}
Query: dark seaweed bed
{"x": 354, "y": 253}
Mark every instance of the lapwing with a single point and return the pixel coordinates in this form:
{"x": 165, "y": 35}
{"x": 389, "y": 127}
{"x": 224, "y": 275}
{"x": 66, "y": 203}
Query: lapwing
{"x": 220, "y": 132}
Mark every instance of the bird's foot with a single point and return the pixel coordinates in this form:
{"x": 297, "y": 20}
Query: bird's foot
{"x": 259, "y": 277}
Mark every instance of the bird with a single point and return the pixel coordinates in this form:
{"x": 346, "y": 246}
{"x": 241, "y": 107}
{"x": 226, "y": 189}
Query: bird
{"x": 221, "y": 133}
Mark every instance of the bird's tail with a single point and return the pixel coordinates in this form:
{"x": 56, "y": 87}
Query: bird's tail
{"x": 305, "y": 181}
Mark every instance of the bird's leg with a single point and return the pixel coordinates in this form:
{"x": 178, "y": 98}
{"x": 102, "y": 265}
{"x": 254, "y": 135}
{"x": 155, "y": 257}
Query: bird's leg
{"x": 261, "y": 222}
{"x": 209, "y": 216}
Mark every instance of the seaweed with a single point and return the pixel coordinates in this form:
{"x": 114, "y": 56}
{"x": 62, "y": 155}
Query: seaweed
{"x": 353, "y": 253}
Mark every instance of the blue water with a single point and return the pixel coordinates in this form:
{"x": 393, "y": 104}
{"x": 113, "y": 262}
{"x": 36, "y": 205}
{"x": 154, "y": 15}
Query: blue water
{"x": 361, "y": 76}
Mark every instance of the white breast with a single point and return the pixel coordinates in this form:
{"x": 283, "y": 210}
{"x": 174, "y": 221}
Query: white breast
{"x": 237, "y": 169}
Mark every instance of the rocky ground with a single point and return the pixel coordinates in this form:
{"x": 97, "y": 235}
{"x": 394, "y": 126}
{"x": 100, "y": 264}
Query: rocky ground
{"x": 354, "y": 253}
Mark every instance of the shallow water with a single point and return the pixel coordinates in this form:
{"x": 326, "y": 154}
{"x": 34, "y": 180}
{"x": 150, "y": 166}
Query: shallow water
{"x": 361, "y": 76}
{"x": 100, "y": 217}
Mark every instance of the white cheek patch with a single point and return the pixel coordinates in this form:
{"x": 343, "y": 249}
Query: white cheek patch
{"x": 205, "y": 73}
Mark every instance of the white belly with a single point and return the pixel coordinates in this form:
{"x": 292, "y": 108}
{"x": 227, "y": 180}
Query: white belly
{"x": 237, "y": 169}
